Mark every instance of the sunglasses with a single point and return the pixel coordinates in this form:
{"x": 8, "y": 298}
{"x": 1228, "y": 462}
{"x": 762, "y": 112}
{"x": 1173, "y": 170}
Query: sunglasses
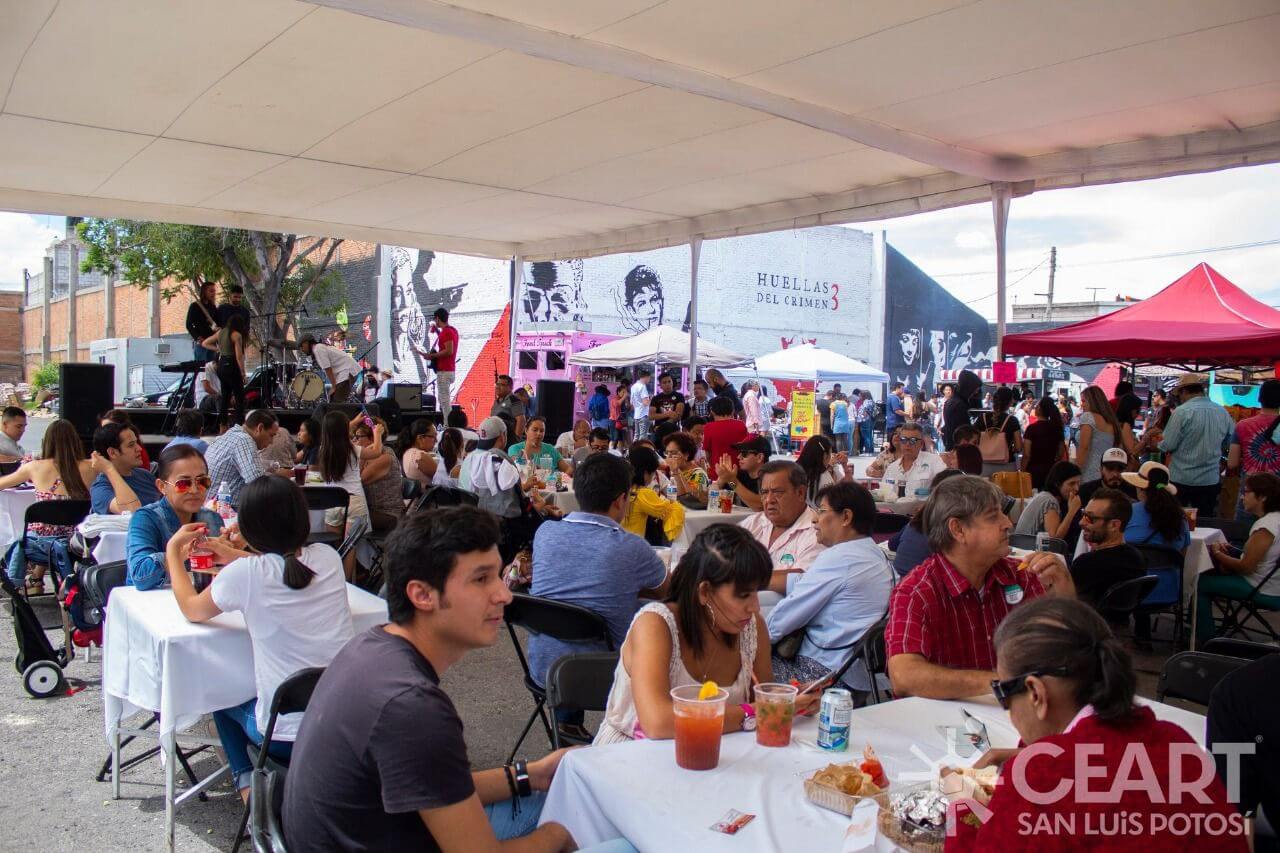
{"x": 185, "y": 484}
{"x": 1005, "y": 690}
{"x": 1094, "y": 519}
{"x": 911, "y": 441}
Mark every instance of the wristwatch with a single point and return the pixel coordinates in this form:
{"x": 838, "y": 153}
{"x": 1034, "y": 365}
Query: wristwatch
{"x": 748, "y": 717}
{"x": 523, "y": 788}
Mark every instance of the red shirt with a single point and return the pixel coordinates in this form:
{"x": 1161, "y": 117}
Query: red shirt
{"x": 1133, "y": 819}
{"x": 718, "y": 438}
{"x": 447, "y": 363}
{"x": 934, "y": 612}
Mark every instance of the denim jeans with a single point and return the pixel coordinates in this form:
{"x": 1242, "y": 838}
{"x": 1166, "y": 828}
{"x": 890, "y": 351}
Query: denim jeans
{"x": 640, "y": 430}
{"x": 48, "y": 551}
{"x": 508, "y": 825}
{"x": 237, "y": 728}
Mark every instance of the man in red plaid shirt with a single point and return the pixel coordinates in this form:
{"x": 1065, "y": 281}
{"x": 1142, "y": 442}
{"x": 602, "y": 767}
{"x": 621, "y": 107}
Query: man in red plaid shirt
{"x": 942, "y": 616}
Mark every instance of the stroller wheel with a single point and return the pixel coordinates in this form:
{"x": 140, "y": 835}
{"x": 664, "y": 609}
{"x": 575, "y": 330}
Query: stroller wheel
{"x": 43, "y": 678}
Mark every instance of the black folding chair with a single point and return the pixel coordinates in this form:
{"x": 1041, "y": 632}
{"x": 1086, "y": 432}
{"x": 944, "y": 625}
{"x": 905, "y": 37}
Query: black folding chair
{"x": 64, "y": 513}
{"x": 292, "y": 697}
{"x": 438, "y": 496}
{"x": 1243, "y": 649}
{"x": 410, "y": 489}
{"x": 1238, "y": 614}
{"x": 579, "y": 682}
{"x": 565, "y": 622}
{"x": 1123, "y": 598}
{"x": 1237, "y": 532}
{"x": 1166, "y": 564}
{"x": 888, "y": 523}
{"x": 1193, "y": 675}
{"x": 266, "y": 801}
{"x": 321, "y": 498}
{"x": 870, "y": 650}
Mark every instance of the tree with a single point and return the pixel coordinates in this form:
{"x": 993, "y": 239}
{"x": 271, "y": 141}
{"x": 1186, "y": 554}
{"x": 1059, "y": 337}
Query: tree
{"x": 279, "y": 272}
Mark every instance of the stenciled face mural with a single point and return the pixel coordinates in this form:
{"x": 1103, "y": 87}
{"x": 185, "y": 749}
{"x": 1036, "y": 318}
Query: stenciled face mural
{"x": 413, "y": 303}
{"x": 640, "y": 300}
{"x": 549, "y": 298}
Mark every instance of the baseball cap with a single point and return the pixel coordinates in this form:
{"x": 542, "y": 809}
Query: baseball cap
{"x": 1115, "y": 456}
{"x": 755, "y": 444}
{"x": 490, "y": 428}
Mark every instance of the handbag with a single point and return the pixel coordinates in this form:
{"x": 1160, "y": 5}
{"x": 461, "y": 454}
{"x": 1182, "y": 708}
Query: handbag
{"x": 993, "y": 444}
{"x": 789, "y": 645}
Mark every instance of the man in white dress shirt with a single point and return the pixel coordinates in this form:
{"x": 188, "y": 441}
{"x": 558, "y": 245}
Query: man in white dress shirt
{"x": 914, "y": 465}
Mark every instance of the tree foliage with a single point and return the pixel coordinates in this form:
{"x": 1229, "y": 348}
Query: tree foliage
{"x": 279, "y": 272}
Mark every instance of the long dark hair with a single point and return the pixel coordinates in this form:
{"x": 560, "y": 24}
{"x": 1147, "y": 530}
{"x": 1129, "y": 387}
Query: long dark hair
{"x": 721, "y": 554}
{"x": 1048, "y": 411}
{"x": 451, "y": 447}
{"x": 336, "y": 448}
{"x": 1167, "y": 517}
{"x": 812, "y": 459}
{"x": 643, "y": 463}
{"x": 410, "y": 434}
{"x": 274, "y": 520}
{"x": 62, "y": 444}
{"x": 1049, "y": 633}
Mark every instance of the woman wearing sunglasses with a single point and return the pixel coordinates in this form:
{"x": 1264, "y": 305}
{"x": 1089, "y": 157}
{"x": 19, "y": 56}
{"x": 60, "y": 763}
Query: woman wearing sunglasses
{"x": 183, "y": 481}
{"x": 1096, "y": 767}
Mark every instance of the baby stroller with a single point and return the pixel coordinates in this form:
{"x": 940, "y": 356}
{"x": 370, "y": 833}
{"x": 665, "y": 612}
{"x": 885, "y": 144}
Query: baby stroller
{"x": 40, "y": 664}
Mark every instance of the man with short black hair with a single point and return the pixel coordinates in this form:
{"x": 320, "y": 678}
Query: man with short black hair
{"x": 122, "y": 484}
{"x": 234, "y": 458}
{"x": 233, "y": 306}
{"x": 784, "y": 526}
{"x": 744, "y": 476}
{"x": 13, "y": 423}
{"x": 380, "y": 762}
{"x": 699, "y": 405}
{"x": 187, "y": 427}
{"x": 1110, "y": 559}
{"x": 895, "y": 413}
{"x": 640, "y": 398}
{"x": 507, "y": 403}
{"x": 597, "y": 442}
{"x": 587, "y": 559}
{"x": 337, "y": 364}
{"x": 444, "y": 357}
{"x": 724, "y": 433}
{"x": 666, "y": 409}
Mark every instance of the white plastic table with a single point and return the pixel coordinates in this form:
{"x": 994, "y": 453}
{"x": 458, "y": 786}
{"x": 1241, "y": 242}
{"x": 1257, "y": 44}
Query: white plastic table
{"x": 635, "y": 790}
{"x": 698, "y": 520}
{"x": 153, "y": 659}
{"x": 13, "y": 513}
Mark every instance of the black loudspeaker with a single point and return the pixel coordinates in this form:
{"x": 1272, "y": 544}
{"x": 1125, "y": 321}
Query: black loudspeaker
{"x": 407, "y": 395}
{"x": 84, "y": 393}
{"x": 555, "y": 404}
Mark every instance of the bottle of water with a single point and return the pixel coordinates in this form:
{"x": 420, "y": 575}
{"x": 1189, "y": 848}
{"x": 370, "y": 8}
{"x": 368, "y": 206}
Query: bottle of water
{"x": 713, "y": 497}
{"x": 671, "y": 490}
{"x": 225, "y": 509}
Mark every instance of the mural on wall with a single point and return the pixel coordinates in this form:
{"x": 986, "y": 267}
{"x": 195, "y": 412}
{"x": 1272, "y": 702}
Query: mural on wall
{"x": 927, "y": 330}
{"x": 640, "y": 300}
{"x": 547, "y": 297}
{"x": 413, "y": 302}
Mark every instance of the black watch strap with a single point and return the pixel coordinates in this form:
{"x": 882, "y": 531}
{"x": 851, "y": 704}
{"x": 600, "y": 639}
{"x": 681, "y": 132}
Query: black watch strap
{"x": 523, "y": 788}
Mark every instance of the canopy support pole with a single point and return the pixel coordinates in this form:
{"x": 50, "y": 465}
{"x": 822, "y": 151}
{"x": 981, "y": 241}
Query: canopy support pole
{"x": 695, "y": 251}
{"x": 517, "y": 276}
{"x": 1001, "y": 193}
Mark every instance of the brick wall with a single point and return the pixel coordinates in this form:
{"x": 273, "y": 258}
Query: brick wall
{"x": 11, "y": 332}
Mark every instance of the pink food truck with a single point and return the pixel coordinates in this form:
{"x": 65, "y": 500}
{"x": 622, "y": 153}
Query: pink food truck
{"x": 545, "y": 355}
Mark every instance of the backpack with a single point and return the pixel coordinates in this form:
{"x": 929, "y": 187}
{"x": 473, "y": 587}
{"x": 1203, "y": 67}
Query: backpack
{"x": 993, "y": 444}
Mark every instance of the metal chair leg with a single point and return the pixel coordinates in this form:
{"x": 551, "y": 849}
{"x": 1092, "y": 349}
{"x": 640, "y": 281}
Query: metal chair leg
{"x": 537, "y": 712}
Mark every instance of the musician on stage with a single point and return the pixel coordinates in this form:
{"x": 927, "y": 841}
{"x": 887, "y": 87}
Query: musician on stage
{"x": 234, "y": 305}
{"x": 202, "y": 321}
{"x": 340, "y": 367}
{"x": 444, "y": 358}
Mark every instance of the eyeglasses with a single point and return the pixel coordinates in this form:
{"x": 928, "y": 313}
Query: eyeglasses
{"x": 911, "y": 441}
{"x": 184, "y": 484}
{"x": 672, "y": 454}
{"x": 1005, "y": 690}
{"x": 1094, "y": 519}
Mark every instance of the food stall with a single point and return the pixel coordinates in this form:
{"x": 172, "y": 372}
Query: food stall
{"x": 545, "y": 354}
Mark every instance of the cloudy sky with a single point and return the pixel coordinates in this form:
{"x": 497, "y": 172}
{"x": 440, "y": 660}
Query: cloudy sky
{"x": 1106, "y": 238}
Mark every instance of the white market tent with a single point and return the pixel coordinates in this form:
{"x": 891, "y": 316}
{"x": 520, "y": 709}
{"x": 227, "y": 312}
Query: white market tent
{"x": 659, "y": 344}
{"x": 539, "y": 129}
{"x": 809, "y": 363}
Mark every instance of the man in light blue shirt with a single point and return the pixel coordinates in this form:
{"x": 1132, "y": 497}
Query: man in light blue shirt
{"x": 587, "y": 559}
{"x": 1197, "y": 435}
{"x": 843, "y": 593}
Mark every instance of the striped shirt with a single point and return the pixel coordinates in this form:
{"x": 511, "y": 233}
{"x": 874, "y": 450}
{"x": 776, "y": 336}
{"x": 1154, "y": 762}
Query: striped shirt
{"x": 934, "y": 612}
{"x": 233, "y": 459}
{"x": 1197, "y": 435}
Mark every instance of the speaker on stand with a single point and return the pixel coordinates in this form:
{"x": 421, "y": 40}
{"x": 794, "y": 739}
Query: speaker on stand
{"x": 84, "y": 393}
{"x": 555, "y": 404}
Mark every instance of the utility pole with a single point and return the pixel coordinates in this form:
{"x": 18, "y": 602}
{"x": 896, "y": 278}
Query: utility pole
{"x": 1053, "y": 268}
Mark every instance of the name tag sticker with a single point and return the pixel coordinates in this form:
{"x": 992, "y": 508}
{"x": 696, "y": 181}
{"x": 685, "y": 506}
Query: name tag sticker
{"x": 787, "y": 561}
{"x": 1013, "y": 594}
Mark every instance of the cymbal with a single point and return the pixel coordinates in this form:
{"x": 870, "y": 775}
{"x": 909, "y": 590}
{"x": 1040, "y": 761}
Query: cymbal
{"x": 283, "y": 344}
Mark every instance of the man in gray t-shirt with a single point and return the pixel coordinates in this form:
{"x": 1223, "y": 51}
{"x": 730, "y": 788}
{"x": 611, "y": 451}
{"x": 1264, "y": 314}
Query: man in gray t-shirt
{"x": 506, "y": 403}
{"x": 589, "y": 560}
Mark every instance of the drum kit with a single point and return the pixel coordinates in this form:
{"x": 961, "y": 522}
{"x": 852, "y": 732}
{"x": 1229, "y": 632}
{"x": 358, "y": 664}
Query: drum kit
{"x": 295, "y": 385}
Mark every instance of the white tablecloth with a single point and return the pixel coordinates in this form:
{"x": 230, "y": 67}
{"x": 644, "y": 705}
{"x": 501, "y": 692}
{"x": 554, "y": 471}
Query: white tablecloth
{"x": 155, "y": 660}
{"x": 111, "y": 547}
{"x": 13, "y": 512}
{"x": 635, "y": 790}
{"x": 698, "y": 520}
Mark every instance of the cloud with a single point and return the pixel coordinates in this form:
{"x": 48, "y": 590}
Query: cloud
{"x": 1106, "y": 237}
{"x": 23, "y": 239}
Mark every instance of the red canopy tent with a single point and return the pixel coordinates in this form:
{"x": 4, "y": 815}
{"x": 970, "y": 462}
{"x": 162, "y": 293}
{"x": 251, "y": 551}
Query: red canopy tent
{"x": 1200, "y": 321}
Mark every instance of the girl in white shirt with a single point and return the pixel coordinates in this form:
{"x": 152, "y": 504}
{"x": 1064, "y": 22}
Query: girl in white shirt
{"x": 293, "y": 597}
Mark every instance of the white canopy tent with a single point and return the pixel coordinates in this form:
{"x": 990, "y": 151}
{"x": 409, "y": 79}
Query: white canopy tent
{"x": 809, "y": 363}
{"x": 661, "y": 344}
{"x": 540, "y": 129}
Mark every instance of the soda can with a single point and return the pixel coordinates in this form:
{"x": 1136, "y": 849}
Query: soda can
{"x": 834, "y": 716}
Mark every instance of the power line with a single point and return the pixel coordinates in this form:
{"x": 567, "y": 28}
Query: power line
{"x": 1182, "y": 253}
{"x": 1010, "y": 287}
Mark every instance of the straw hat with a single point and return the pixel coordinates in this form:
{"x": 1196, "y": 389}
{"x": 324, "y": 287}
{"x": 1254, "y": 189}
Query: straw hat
{"x": 1190, "y": 379}
{"x": 1142, "y": 479}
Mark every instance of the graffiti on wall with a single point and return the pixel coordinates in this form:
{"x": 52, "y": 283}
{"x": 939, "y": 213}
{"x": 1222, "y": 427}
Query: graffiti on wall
{"x": 413, "y": 302}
